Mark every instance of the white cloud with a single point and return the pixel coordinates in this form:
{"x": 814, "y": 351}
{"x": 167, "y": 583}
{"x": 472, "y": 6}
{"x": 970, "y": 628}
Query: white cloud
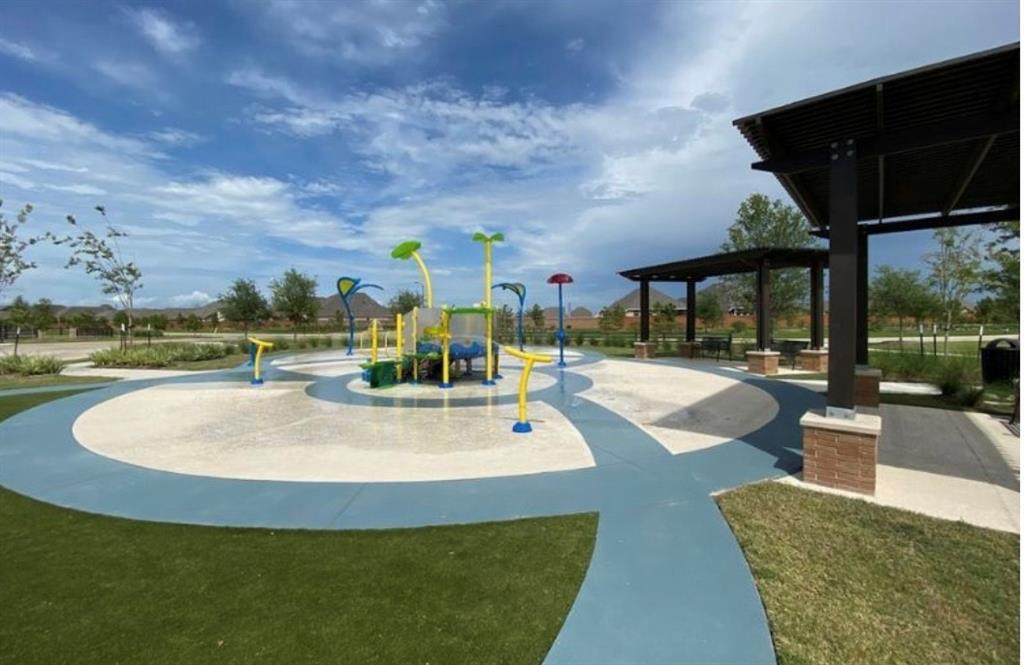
{"x": 170, "y": 38}
{"x": 194, "y": 299}
{"x": 18, "y": 50}
{"x": 575, "y": 45}
{"x": 130, "y": 74}
{"x": 369, "y": 32}
{"x": 176, "y": 137}
{"x": 83, "y": 190}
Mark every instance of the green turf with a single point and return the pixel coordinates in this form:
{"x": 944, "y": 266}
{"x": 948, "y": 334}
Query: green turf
{"x": 227, "y": 362}
{"x": 845, "y": 581}
{"x": 16, "y": 381}
{"x": 81, "y": 588}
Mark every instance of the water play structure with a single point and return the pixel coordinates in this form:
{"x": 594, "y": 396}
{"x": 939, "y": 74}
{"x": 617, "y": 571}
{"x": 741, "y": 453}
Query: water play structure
{"x": 560, "y": 278}
{"x": 347, "y": 288}
{"x": 256, "y": 349}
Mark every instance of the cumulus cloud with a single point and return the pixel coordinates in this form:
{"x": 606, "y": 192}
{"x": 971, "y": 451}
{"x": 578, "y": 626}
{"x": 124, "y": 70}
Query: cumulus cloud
{"x": 370, "y": 32}
{"x": 194, "y": 299}
{"x": 169, "y": 37}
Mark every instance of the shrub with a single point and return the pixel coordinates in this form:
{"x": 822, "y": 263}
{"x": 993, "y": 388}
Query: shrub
{"x": 738, "y": 326}
{"x": 328, "y": 341}
{"x": 160, "y": 355}
{"x": 314, "y": 342}
{"x": 281, "y": 343}
{"x": 30, "y": 365}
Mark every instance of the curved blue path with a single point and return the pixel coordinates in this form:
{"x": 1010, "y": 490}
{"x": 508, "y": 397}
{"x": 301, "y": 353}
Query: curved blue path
{"x": 667, "y": 582}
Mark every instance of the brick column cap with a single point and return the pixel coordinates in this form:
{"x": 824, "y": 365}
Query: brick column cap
{"x": 814, "y": 352}
{"x": 867, "y": 371}
{"x": 763, "y": 354}
{"x": 861, "y": 423}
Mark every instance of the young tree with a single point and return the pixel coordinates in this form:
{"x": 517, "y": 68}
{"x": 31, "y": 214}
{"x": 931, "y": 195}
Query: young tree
{"x": 294, "y": 298}
{"x": 193, "y": 323}
{"x": 901, "y": 294}
{"x": 404, "y": 301}
{"x": 243, "y": 303}
{"x": 708, "y": 310}
{"x": 612, "y": 319}
{"x": 19, "y": 312}
{"x": 536, "y": 316}
{"x": 13, "y": 247}
{"x": 42, "y": 315}
{"x": 955, "y": 267}
{"x": 663, "y": 319}
{"x": 763, "y": 222}
{"x": 102, "y": 258}
{"x": 1001, "y": 277}
{"x": 505, "y": 324}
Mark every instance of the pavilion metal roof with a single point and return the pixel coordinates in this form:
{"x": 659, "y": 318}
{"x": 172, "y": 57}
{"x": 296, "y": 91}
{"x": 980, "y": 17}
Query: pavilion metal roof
{"x": 937, "y": 140}
{"x": 728, "y": 263}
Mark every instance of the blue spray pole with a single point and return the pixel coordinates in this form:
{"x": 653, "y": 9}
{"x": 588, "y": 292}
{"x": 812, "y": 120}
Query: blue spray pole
{"x": 347, "y": 287}
{"x": 560, "y": 278}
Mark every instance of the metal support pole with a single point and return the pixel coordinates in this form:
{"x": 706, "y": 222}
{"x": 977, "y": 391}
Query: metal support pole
{"x": 817, "y": 306}
{"x": 764, "y": 299}
{"x": 645, "y": 310}
{"x": 862, "y": 298}
{"x": 561, "y": 330}
{"x": 691, "y": 311}
{"x": 843, "y": 262}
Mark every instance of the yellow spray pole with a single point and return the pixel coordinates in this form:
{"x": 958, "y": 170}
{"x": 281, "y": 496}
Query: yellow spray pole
{"x": 488, "y": 242}
{"x": 398, "y": 346}
{"x": 257, "y": 376}
{"x": 426, "y": 279}
{"x": 445, "y": 335}
{"x": 523, "y": 425}
{"x": 373, "y": 341}
{"x": 415, "y": 350}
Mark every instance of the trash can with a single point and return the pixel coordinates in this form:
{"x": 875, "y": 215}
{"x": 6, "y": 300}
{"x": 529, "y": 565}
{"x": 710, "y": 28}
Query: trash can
{"x": 1000, "y": 361}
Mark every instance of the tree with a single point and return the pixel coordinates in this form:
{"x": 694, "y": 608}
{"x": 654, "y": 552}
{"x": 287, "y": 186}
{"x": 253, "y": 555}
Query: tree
{"x": 763, "y": 222}
{"x": 404, "y": 301}
{"x": 955, "y": 267}
{"x": 13, "y": 247}
{"x": 612, "y": 318}
{"x": 19, "y": 312}
{"x": 663, "y": 319}
{"x": 193, "y": 323}
{"x": 505, "y": 324}
{"x": 1001, "y": 277}
{"x": 243, "y": 303}
{"x": 102, "y": 258}
{"x": 294, "y": 298}
{"x": 42, "y": 316}
{"x": 536, "y": 316}
{"x": 901, "y": 294}
{"x": 708, "y": 310}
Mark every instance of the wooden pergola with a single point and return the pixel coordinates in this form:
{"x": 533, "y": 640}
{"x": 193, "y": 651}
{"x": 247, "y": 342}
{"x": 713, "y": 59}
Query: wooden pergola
{"x": 932, "y": 147}
{"x": 760, "y": 261}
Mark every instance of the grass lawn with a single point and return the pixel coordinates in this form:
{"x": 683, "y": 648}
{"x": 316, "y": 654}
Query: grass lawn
{"x": 84, "y": 588}
{"x": 227, "y": 362}
{"x": 845, "y": 581}
{"x": 17, "y": 381}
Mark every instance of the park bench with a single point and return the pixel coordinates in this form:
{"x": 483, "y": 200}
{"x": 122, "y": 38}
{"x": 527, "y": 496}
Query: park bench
{"x": 789, "y": 349}
{"x": 717, "y": 344}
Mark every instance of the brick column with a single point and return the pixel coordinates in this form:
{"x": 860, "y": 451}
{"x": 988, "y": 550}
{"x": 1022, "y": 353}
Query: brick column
{"x": 866, "y": 386}
{"x": 645, "y": 350}
{"x": 813, "y": 360}
{"x": 840, "y": 452}
{"x": 689, "y": 349}
{"x": 763, "y": 362}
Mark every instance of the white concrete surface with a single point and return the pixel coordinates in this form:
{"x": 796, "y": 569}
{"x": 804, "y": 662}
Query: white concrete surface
{"x": 278, "y": 432}
{"x": 945, "y": 497}
{"x": 684, "y": 409}
{"x": 1001, "y": 437}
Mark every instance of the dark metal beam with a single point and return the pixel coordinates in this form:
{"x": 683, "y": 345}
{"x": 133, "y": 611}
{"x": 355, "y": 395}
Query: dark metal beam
{"x": 763, "y": 306}
{"x": 843, "y": 264}
{"x": 691, "y": 311}
{"x": 645, "y": 310}
{"x": 889, "y": 143}
{"x": 817, "y": 306}
{"x": 862, "y": 297}
{"x": 774, "y": 148}
{"x": 880, "y": 124}
{"x": 936, "y": 222}
{"x": 977, "y": 157}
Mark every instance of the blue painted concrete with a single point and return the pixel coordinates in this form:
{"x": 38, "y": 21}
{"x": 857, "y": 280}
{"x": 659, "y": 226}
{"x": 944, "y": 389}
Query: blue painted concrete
{"x": 667, "y": 583}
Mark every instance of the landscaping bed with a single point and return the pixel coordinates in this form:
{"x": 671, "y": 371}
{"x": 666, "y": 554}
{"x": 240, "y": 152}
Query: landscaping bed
{"x": 845, "y": 581}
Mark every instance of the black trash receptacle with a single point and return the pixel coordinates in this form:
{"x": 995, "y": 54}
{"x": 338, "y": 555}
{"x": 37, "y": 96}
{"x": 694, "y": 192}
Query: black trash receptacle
{"x": 1000, "y": 361}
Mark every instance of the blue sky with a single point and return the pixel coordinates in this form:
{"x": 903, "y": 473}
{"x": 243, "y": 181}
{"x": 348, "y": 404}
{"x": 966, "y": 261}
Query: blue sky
{"x": 245, "y": 137}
